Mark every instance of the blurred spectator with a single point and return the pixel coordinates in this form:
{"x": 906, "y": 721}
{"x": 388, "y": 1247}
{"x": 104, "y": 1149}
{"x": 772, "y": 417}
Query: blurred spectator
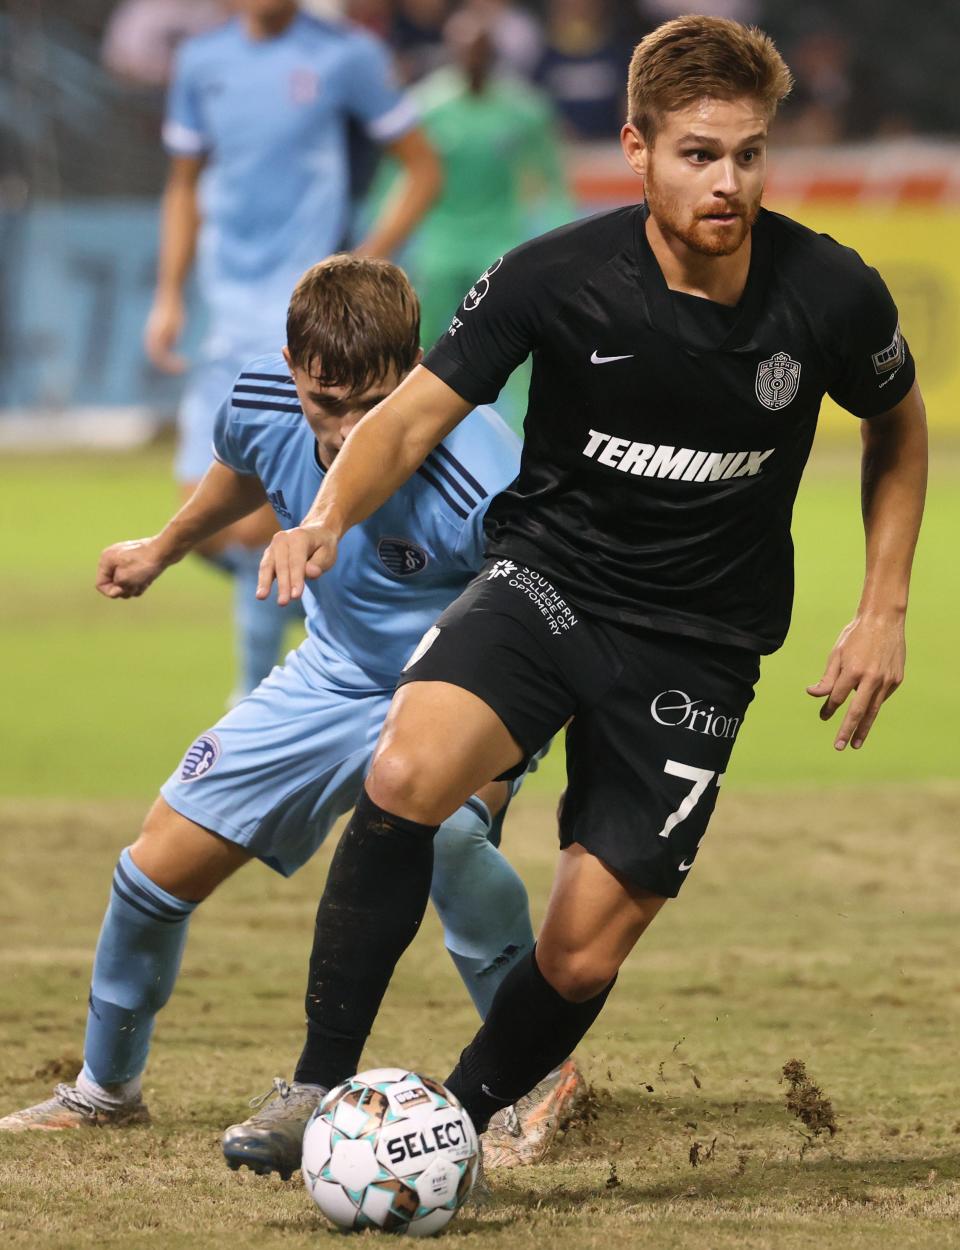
{"x": 416, "y": 34}
{"x": 142, "y": 36}
{"x": 816, "y": 112}
{"x": 653, "y": 12}
{"x": 375, "y": 15}
{"x": 516, "y": 34}
{"x": 584, "y": 66}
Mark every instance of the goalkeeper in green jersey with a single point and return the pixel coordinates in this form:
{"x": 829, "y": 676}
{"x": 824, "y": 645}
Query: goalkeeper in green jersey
{"x": 503, "y": 178}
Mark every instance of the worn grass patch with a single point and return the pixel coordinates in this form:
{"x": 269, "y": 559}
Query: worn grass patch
{"x": 818, "y": 928}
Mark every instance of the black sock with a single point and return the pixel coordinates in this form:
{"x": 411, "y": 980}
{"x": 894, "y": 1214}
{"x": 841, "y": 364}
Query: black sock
{"x": 529, "y": 1029}
{"x": 371, "y": 909}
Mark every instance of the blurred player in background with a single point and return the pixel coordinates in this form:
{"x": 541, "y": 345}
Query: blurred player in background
{"x": 503, "y": 172}
{"x": 496, "y": 137}
{"x": 259, "y": 187}
{"x": 272, "y": 776}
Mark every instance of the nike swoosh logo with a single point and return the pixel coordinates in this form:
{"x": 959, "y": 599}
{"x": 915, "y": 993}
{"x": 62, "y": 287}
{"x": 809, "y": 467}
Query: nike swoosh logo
{"x": 595, "y": 359}
{"x": 684, "y": 866}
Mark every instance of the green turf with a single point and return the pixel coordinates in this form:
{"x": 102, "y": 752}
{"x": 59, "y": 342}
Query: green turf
{"x": 101, "y": 698}
{"x": 821, "y": 929}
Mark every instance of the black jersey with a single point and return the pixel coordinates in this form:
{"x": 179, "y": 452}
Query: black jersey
{"x": 663, "y": 449}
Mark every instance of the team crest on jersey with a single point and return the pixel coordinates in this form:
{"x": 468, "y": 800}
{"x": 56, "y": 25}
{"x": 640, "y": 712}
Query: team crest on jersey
{"x": 778, "y": 380}
{"x": 401, "y": 557}
{"x": 480, "y": 287}
{"x": 201, "y": 757}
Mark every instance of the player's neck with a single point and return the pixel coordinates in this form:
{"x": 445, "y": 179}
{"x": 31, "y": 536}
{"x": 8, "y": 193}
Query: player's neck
{"x": 718, "y": 278}
{"x": 269, "y": 27}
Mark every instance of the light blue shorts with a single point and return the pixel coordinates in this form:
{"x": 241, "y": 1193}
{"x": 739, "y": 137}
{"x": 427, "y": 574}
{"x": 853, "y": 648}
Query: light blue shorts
{"x": 280, "y": 768}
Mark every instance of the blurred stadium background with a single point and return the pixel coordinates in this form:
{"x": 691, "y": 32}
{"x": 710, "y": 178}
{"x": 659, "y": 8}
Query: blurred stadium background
{"x": 102, "y": 698}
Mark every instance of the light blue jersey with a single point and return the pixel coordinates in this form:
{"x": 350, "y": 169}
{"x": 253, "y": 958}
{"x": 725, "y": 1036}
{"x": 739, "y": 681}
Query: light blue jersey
{"x": 277, "y": 771}
{"x": 270, "y": 117}
{"x": 400, "y": 568}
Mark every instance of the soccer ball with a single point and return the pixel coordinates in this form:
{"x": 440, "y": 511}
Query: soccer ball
{"x": 392, "y": 1150}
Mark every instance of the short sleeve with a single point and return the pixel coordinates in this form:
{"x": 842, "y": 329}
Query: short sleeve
{"x": 876, "y": 369}
{"x": 371, "y": 93}
{"x": 228, "y": 442}
{"x": 493, "y": 331}
{"x": 184, "y": 131}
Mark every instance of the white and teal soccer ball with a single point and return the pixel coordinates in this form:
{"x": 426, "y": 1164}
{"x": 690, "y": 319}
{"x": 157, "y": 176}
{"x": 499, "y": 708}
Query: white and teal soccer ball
{"x": 392, "y": 1150}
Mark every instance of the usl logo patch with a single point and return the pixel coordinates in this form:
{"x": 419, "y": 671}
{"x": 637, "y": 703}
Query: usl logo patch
{"x": 778, "y": 380}
{"x": 201, "y": 757}
{"x": 400, "y": 557}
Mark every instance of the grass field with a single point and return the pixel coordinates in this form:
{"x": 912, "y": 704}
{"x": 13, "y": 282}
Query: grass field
{"x": 823, "y": 929}
{"x": 820, "y": 925}
{"x": 102, "y": 698}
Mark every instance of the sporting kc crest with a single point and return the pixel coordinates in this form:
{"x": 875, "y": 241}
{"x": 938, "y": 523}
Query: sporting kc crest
{"x": 777, "y": 381}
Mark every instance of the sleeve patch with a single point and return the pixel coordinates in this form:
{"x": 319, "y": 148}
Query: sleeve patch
{"x": 892, "y": 355}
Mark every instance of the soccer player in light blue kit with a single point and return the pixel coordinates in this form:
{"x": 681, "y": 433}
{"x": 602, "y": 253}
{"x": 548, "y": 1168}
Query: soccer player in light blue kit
{"x": 271, "y": 777}
{"x": 259, "y": 189}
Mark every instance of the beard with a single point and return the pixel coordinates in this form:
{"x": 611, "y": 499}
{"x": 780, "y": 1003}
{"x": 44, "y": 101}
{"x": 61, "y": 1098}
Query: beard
{"x": 694, "y": 227}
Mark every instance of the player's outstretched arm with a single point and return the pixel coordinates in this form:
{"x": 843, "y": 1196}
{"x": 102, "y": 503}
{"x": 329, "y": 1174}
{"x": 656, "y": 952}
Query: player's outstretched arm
{"x": 868, "y": 658}
{"x": 382, "y": 451}
{"x": 126, "y": 569}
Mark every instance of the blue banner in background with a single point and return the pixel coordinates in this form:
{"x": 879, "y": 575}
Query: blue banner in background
{"x": 77, "y": 282}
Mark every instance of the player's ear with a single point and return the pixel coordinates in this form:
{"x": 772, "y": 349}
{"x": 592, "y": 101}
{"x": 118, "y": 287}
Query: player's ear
{"x": 634, "y": 148}
{"x": 285, "y": 352}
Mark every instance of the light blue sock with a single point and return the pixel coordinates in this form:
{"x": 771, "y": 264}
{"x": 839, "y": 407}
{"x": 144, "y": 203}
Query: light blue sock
{"x": 259, "y": 623}
{"x": 134, "y": 970}
{"x": 481, "y": 901}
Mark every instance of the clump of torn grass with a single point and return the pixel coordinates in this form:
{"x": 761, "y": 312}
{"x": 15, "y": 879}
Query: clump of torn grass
{"x": 807, "y": 1101}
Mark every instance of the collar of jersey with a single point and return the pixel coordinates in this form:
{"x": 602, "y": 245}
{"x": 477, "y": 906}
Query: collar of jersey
{"x": 662, "y": 314}
{"x": 316, "y": 455}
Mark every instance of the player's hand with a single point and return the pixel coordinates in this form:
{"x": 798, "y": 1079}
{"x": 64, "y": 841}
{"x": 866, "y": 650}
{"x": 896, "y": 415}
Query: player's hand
{"x": 126, "y": 569}
{"x": 160, "y": 335}
{"x": 293, "y": 556}
{"x": 867, "y": 661}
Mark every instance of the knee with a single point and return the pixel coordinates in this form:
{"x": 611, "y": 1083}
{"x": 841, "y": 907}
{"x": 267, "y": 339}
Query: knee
{"x": 399, "y": 782}
{"x": 157, "y": 828}
{"x": 181, "y": 857}
{"x": 577, "y": 976}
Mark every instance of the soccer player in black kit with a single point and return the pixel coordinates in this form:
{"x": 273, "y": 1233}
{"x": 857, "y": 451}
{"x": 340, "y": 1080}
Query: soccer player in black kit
{"x": 640, "y": 564}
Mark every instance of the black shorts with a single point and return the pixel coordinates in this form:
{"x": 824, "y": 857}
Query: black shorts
{"x": 655, "y": 716}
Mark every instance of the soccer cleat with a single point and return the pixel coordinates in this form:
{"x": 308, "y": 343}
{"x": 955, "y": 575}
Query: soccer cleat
{"x": 271, "y": 1140}
{"x": 524, "y": 1133}
{"x": 68, "y": 1108}
{"x": 481, "y": 1195}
